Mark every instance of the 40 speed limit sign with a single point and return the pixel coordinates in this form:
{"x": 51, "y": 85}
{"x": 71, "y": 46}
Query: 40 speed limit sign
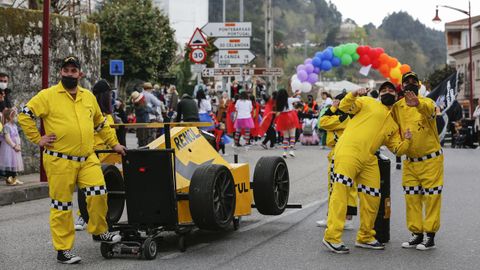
{"x": 198, "y": 55}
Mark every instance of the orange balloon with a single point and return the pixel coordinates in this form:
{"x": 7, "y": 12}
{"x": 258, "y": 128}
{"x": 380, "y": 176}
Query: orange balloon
{"x": 392, "y": 62}
{"x": 395, "y": 81}
{"x": 384, "y": 69}
{"x": 405, "y": 68}
{"x": 383, "y": 58}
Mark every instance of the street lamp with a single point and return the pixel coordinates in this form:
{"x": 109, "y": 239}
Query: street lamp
{"x": 436, "y": 19}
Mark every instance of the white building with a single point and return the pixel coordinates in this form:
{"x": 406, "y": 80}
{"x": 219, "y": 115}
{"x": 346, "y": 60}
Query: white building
{"x": 185, "y": 16}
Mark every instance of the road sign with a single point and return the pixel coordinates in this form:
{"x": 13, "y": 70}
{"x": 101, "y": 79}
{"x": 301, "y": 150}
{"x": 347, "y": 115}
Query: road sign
{"x": 198, "y": 55}
{"x": 213, "y": 72}
{"x": 197, "y": 68}
{"x": 197, "y": 39}
{"x": 116, "y": 67}
{"x": 228, "y": 29}
{"x": 263, "y": 71}
{"x": 228, "y": 57}
{"x": 232, "y": 43}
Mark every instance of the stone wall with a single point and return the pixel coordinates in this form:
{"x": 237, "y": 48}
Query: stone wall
{"x": 21, "y": 57}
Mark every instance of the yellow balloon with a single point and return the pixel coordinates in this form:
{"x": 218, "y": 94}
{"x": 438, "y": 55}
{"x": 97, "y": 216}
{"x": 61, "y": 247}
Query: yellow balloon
{"x": 395, "y": 73}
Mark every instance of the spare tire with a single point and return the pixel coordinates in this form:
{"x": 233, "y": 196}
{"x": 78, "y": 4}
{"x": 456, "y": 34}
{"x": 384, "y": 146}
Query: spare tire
{"x": 116, "y": 195}
{"x": 212, "y": 197}
{"x": 271, "y": 185}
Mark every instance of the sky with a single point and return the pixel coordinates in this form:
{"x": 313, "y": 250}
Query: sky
{"x": 366, "y": 11}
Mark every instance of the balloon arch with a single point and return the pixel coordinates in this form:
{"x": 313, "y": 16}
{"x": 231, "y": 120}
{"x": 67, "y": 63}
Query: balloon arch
{"x": 346, "y": 54}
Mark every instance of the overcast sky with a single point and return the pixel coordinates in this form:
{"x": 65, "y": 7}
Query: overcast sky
{"x": 366, "y": 11}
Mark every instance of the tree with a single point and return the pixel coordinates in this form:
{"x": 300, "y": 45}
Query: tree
{"x": 139, "y": 34}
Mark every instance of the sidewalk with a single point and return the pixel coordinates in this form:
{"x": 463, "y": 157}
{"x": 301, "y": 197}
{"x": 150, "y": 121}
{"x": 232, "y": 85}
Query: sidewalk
{"x": 32, "y": 189}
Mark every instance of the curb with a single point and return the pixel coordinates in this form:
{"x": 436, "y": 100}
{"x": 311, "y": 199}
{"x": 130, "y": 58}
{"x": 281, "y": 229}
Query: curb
{"x": 23, "y": 193}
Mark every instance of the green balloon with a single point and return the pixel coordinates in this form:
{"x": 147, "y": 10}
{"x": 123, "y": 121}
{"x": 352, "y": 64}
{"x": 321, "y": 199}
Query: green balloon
{"x": 346, "y": 59}
{"x": 355, "y": 57}
{"x": 349, "y": 48}
{"x": 338, "y": 52}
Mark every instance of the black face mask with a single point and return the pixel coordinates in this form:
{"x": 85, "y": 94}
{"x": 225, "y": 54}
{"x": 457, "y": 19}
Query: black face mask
{"x": 387, "y": 99}
{"x": 411, "y": 87}
{"x": 69, "y": 82}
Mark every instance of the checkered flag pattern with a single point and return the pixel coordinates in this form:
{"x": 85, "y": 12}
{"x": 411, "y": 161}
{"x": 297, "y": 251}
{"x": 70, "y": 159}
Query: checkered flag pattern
{"x": 342, "y": 179}
{"x": 433, "y": 191}
{"x": 429, "y": 156}
{"x": 368, "y": 190}
{"x": 28, "y": 112}
{"x": 64, "y": 206}
{"x": 95, "y": 190}
{"x": 60, "y": 155}
{"x": 412, "y": 190}
{"x": 99, "y": 127}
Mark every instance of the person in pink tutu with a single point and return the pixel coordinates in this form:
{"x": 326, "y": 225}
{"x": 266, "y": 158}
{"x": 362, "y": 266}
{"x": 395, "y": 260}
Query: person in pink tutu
{"x": 286, "y": 120}
{"x": 243, "y": 119}
{"x": 11, "y": 161}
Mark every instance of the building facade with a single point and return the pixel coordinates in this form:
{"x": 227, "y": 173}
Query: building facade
{"x": 457, "y": 39}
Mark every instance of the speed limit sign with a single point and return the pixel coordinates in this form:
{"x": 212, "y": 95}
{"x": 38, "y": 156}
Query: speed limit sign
{"x": 198, "y": 55}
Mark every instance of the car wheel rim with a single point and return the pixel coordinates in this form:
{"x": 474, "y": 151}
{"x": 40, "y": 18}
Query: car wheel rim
{"x": 280, "y": 185}
{"x": 223, "y": 197}
{"x": 152, "y": 247}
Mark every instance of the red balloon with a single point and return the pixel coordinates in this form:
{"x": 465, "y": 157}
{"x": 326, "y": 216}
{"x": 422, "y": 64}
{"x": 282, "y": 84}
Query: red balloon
{"x": 372, "y": 54}
{"x": 377, "y": 52}
{"x": 366, "y": 49}
{"x": 364, "y": 60}
{"x": 375, "y": 63}
{"x": 361, "y": 50}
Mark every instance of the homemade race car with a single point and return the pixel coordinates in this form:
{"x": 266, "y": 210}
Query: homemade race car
{"x": 179, "y": 182}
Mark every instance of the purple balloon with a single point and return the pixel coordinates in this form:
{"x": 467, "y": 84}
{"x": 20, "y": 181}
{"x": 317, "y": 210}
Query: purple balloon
{"x": 309, "y": 68}
{"x": 326, "y": 65}
{"x": 312, "y": 78}
{"x": 316, "y": 62}
{"x": 307, "y": 61}
{"x": 302, "y": 75}
{"x": 316, "y": 70}
{"x": 336, "y": 61}
{"x": 300, "y": 67}
{"x": 327, "y": 54}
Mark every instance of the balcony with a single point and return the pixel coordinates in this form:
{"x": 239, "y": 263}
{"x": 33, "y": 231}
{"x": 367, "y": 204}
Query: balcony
{"x": 454, "y": 48}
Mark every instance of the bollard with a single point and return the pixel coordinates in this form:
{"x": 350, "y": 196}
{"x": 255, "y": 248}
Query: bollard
{"x": 382, "y": 222}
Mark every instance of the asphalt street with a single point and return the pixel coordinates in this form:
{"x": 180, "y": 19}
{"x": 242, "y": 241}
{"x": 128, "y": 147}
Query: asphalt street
{"x": 289, "y": 241}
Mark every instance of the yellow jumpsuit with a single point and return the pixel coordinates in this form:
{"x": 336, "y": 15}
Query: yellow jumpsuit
{"x": 334, "y": 124}
{"x": 422, "y": 177}
{"x": 70, "y": 160}
{"x": 356, "y": 164}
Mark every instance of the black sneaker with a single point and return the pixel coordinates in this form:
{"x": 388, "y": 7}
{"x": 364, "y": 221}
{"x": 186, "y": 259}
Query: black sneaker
{"x": 371, "y": 245}
{"x": 67, "y": 257}
{"x": 399, "y": 166}
{"x": 414, "y": 240}
{"x": 107, "y": 237}
{"x": 339, "y": 248}
{"x": 428, "y": 242}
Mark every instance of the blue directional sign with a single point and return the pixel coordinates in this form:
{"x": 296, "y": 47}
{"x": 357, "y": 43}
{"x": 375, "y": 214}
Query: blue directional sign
{"x": 116, "y": 67}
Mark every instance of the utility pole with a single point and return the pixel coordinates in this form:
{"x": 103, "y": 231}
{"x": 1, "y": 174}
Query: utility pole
{"x": 224, "y": 80}
{"x": 241, "y": 66}
{"x": 269, "y": 43}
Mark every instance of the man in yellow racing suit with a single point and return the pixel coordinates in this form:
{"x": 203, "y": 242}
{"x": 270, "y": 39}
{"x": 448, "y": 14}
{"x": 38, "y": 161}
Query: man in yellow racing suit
{"x": 70, "y": 116}
{"x": 422, "y": 176}
{"x": 334, "y": 122}
{"x": 356, "y": 164}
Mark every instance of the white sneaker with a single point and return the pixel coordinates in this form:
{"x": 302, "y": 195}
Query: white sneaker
{"x": 284, "y": 155}
{"x": 348, "y": 224}
{"x": 321, "y": 223}
{"x": 80, "y": 224}
{"x": 291, "y": 153}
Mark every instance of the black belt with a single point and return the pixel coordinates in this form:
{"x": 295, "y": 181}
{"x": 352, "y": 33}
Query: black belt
{"x": 60, "y": 155}
{"x": 429, "y": 156}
